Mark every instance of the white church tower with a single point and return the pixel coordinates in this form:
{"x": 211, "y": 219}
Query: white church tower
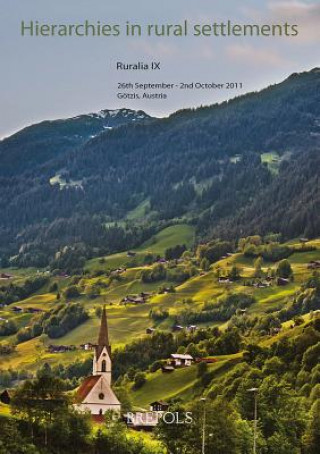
{"x": 95, "y": 394}
{"x": 102, "y": 351}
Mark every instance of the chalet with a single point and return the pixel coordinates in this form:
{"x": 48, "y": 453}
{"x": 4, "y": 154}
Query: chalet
{"x": 150, "y": 330}
{"x": 5, "y": 397}
{"x": 191, "y": 328}
{"x": 60, "y": 348}
{"x": 242, "y": 311}
{"x": 180, "y": 360}
{"x": 262, "y": 284}
{"x": 6, "y": 276}
{"x": 139, "y": 299}
{"x": 17, "y": 309}
{"x": 145, "y": 294}
{"x": 314, "y": 264}
{"x": 159, "y": 405}
{"x": 131, "y": 254}
{"x": 33, "y": 310}
{"x": 281, "y": 281}
{"x": 87, "y": 347}
{"x": 165, "y": 290}
{"x": 224, "y": 280}
{"x": 176, "y": 328}
{"x": 166, "y": 369}
{"x": 274, "y": 331}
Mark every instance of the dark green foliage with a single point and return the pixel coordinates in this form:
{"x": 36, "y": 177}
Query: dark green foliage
{"x": 65, "y": 319}
{"x": 218, "y": 311}
{"x": 6, "y": 349}
{"x": 214, "y": 251}
{"x": 14, "y": 292}
{"x": 284, "y": 269}
{"x": 139, "y": 380}
{"x": 7, "y": 328}
{"x": 175, "y": 252}
{"x": 12, "y": 440}
{"x": 143, "y": 352}
{"x": 157, "y": 273}
{"x": 71, "y": 292}
{"x": 188, "y": 148}
{"x": 222, "y": 434}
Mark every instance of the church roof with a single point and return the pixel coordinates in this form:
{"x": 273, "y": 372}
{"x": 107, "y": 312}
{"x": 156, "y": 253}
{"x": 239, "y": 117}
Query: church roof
{"x": 87, "y": 386}
{"x": 103, "y": 340}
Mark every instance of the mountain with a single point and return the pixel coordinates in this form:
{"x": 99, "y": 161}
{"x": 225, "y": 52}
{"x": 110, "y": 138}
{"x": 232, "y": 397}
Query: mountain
{"x": 37, "y": 144}
{"x": 230, "y": 169}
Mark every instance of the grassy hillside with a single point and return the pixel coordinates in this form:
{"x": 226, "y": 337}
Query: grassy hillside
{"x": 166, "y": 238}
{"x": 128, "y": 322}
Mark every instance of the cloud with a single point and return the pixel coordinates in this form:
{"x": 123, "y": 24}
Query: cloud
{"x": 255, "y": 56}
{"x": 305, "y": 15}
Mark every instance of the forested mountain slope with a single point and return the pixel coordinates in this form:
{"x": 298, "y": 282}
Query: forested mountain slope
{"x": 229, "y": 169}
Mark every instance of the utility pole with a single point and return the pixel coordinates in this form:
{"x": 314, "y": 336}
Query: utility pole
{"x": 203, "y": 451}
{"x": 255, "y": 425}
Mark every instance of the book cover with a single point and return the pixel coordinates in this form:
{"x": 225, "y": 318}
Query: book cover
{"x": 159, "y": 227}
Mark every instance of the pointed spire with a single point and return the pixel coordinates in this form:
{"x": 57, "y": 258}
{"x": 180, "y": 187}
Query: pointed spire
{"x": 103, "y": 340}
{"x": 103, "y": 333}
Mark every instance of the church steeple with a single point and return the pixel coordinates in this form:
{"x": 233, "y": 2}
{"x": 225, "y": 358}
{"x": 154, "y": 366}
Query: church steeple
{"x": 103, "y": 339}
{"x": 102, "y": 357}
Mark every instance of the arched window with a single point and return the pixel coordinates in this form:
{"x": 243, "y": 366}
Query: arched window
{"x": 100, "y": 412}
{"x": 104, "y": 366}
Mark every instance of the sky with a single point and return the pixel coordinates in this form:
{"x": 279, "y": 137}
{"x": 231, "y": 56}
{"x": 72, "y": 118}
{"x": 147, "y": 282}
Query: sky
{"x": 51, "y": 77}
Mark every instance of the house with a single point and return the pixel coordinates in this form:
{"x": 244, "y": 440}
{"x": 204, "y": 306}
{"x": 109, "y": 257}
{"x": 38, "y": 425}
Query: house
{"x": 159, "y": 405}
{"x": 180, "y": 360}
{"x": 281, "y": 281}
{"x": 191, "y": 328}
{"x": 131, "y": 254}
{"x": 6, "y": 276}
{"x": 274, "y": 331}
{"x": 60, "y": 348}
{"x": 141, "y": 299}
{"x": 314, "y": 264}
{"x": 33, "y": 310}
{"x": 165, "y": 290}
{"x": 166, "y": 369}
{"x": 5, "y": 397}
{"x": 262, "y": 284}
{"x": 17, "y": 309}
{"x": 242, "y": 311}
{"x": 224, "y": 280}
{"x": 95, "y": 393}
{"x": 176, "y": 328}
{"x": 87, "y": 347}
{"x": 150, "y": 330}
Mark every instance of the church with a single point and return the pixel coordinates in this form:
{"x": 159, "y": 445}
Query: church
{"x": 95, "y": 394}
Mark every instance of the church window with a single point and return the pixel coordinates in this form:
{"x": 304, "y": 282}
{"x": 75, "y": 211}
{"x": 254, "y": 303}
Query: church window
{"x": 104, "y": 366}
{"x": 101, "y": 396}
{"x": 100, "y": 412}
